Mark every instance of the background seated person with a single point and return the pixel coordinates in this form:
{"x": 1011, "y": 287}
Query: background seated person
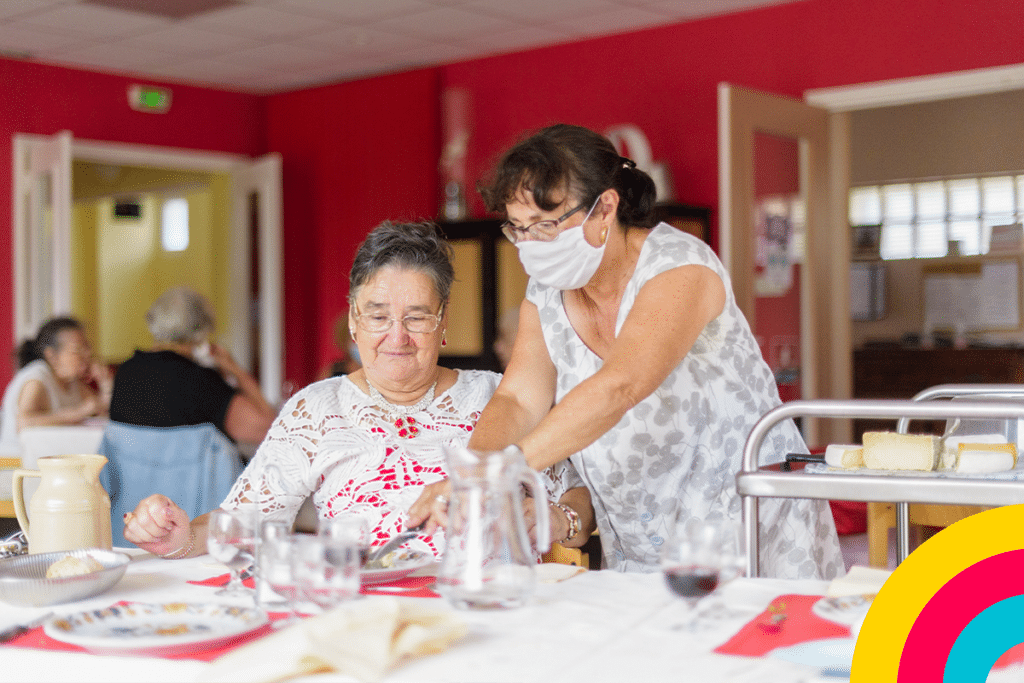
{"x": 52, "y": 386}
{"x": 366, "y": 443}
{"x": 182, "y": 380}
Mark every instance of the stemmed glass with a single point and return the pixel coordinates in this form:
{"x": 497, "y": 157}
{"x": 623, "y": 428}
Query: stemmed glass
{"x": 231, "y": 539}
{"x": 696, "y": 557}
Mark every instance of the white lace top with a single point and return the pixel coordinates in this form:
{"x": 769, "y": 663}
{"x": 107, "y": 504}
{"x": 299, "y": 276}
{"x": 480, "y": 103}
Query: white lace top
{"x": 332, "y": 442}
{"x": 682, "y": 445}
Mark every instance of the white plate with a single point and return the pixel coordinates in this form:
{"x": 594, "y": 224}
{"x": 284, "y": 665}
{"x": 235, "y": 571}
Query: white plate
{"x": 155, "y": 629}
{"x": 845, "y": 610}
{"x": 835, "y": 655}
{"x": 405, "y": 562}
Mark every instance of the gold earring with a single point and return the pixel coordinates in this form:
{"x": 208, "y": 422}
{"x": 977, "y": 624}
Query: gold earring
{"x": 604, "y": 234}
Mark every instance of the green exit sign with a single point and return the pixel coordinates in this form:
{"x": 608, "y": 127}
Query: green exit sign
{"x": 149, "y": 98}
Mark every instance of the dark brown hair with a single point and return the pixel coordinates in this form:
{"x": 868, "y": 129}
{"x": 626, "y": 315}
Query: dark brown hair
{"x": 564, "y": 158}
{"x": 47, "y": 338}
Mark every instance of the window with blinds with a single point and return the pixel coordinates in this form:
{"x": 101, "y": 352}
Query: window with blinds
{"x": 919, "y": 219}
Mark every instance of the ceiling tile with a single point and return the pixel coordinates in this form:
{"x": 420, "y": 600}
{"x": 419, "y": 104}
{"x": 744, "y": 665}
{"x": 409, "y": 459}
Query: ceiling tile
{"x": 616, "y": 21}
{"x": 445, "y": 24}
{"x": 359, "y": 11}
{"x": 276, "y": 56}
{"x": 170, "y": 9}
{"x": 518, "y": 39}
{"x": 537, "y": 12}
{"x": 360, "y": 40}
{"x": 184, "y": 39}
{"x": 14, "y": 8}
{"x": 111, "y": 56}
{"x": 18, "y": 37}
{"x": 89, "y": 20}
{"x": 253, "y": 21}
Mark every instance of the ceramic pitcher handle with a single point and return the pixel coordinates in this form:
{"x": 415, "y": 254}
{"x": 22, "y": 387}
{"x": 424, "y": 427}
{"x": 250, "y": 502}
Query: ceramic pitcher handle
{"x": 18, "y": 487}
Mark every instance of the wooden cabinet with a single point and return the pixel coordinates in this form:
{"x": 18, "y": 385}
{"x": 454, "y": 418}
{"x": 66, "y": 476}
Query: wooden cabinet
{"x": 897, "y": 372}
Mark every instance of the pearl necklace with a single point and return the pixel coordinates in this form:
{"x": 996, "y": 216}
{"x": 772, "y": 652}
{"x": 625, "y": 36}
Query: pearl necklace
{"x": 404, "y": 422}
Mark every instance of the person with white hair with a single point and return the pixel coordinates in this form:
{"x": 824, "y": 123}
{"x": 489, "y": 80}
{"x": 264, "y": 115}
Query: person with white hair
{"x": 184, "y": 379}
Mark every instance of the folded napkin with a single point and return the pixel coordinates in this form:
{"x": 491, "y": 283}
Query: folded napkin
{"x": 858, "y": 581}
{"x": 788, "y": 620}
{"x": 222, "y": 580}
{"x": 363, "y": 639}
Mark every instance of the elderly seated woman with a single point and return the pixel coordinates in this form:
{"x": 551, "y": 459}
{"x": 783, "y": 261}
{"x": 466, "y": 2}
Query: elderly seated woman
{"x": 52, "y": 386}
{"x": 367, "y": 443}
{"x": 182, "y": 379}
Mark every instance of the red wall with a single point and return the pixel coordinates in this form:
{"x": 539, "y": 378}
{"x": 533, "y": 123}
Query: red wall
{"x": 44, "y": 100}
{"x": 358, "y": 152}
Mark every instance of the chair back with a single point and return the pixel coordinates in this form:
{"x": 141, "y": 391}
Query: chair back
{"x": 195, "y": 466}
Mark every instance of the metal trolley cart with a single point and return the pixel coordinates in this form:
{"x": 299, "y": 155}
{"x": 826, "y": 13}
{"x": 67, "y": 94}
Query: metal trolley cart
{"x": 753, "y": 482}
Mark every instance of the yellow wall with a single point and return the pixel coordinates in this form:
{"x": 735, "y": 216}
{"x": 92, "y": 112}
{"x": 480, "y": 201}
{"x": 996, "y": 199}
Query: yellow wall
{"x": 119, "y": 266}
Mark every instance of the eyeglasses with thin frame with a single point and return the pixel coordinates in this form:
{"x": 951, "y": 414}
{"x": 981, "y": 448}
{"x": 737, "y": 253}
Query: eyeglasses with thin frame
{"x": 542, "y": 231}
{"x": 376, "y": 323}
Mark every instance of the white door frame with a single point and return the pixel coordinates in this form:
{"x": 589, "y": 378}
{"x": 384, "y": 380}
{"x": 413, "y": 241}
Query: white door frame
{"x": 237, "y": 333}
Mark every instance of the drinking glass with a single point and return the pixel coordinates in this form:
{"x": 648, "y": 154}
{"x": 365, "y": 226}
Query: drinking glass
{"x": 326, "y": 569}
{"x": 231, "y": 539}
{"x": 694, "y": 559}
{"x": 276, "y": 552}
{"x": 351, "y": 529}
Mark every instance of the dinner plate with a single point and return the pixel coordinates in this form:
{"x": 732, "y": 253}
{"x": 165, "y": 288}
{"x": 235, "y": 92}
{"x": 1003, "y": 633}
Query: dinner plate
{"x": 834, "y": 655}
{"x": 403, "y": 562}
{"x": 846, "y": 610}
{"x": 155, "y": 629}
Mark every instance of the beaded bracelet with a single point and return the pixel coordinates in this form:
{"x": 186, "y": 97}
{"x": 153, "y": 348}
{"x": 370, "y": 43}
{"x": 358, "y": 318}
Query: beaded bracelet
{"x": 184, "y": 550}
{"x": 574, "y": 521}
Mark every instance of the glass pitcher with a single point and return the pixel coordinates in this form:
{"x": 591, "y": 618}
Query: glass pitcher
{"x": 488, "y": 561}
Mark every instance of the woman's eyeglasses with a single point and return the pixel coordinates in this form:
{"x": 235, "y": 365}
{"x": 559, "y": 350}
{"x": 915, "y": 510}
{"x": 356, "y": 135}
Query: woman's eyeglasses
{"x": 542, "y": 231}
{"x": 417, "y": 324}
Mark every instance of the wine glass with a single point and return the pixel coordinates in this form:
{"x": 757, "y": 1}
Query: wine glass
{"x": 231, "y": 539}
{"x": 276, "y": 553}
{"x": 695, "y": 559}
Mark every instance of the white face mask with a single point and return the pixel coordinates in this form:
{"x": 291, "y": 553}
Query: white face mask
{"x": 566, "y": 262}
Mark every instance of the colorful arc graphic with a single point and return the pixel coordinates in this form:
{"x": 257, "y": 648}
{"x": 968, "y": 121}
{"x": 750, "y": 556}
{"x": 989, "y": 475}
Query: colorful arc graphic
{"x": 945, "y": 613}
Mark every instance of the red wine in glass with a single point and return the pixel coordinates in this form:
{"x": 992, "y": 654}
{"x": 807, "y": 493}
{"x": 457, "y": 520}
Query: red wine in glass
{"x": 692, "y": 582}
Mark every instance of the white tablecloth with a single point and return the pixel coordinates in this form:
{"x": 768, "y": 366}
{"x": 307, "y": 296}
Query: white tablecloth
{"x": 599, "y": 626}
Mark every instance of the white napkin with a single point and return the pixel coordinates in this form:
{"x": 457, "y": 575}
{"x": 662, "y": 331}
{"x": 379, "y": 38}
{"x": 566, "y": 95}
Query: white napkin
{"x": 362, "y": 639}
{"x": 858, "y": 581}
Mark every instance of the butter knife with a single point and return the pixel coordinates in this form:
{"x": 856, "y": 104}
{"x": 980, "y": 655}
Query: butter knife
{"x": 15, "y": 631}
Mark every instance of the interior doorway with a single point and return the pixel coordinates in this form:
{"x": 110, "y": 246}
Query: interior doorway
{"x": 250, "y": 321}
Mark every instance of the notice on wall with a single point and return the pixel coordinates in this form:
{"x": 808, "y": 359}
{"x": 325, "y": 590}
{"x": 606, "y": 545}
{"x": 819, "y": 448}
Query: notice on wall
{"x": 975, "y": 298}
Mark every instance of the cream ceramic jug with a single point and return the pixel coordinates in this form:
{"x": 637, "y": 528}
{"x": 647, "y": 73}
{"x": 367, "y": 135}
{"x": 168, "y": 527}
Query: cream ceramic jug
{"x": 70, "y": 509}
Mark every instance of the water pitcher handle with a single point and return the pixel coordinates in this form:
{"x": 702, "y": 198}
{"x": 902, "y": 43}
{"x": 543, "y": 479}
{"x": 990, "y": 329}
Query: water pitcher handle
{"x": 533, "y": 482}
{"x": 18, "y": 487}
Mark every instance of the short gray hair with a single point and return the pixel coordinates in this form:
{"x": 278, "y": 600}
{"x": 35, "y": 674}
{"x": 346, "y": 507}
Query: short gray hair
{"x": 180, "y": 315}
{"x": 413, "y": 246}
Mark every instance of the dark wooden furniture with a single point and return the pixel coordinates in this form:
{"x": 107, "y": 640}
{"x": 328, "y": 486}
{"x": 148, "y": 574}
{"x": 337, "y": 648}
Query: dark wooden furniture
{"x": 899, "y": 372}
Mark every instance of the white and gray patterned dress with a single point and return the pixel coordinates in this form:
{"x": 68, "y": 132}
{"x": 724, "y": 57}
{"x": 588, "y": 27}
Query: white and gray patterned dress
{"x": 682, "y": 445}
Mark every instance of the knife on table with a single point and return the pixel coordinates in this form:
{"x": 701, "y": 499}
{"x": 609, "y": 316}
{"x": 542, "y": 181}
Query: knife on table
{"x": 21, "y": 629}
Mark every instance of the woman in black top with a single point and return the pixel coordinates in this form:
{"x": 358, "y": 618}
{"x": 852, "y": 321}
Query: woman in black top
{"x": 182, "y": 380}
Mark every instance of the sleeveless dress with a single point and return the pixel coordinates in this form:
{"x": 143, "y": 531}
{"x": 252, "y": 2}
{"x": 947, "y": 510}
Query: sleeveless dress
{"x": 681, "y": 446}
{"x": 333, "y": 442}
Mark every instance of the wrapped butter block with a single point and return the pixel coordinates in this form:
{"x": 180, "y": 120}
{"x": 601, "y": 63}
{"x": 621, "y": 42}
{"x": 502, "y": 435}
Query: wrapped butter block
{"x": 846, "y": 456}
{"x": 891, "y": 451}
{"x": 982, "y": 458}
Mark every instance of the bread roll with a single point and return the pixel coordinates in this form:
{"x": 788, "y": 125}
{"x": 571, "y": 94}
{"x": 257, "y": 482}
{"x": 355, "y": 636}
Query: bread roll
{"x": 69, "y": 565}
{"x": 891, "y": 451}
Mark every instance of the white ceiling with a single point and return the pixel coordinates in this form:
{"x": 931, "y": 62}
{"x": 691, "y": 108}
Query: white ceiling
{"x": 266, "y": 46}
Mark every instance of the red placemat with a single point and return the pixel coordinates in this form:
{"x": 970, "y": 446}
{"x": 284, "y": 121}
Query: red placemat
{"x": 788, "y": 620}
{"x": 38, "y": 640}
{"x": 222, "y": 580}
{"x": 409, "y": 587}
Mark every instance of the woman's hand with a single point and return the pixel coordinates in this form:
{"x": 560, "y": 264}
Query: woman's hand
{"x": 431, "y": 507}
{"x": 157, "y": 525}
{"x": 557, "y": 521}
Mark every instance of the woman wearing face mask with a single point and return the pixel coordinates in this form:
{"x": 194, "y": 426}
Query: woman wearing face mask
{"x": 631, "y": 332}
